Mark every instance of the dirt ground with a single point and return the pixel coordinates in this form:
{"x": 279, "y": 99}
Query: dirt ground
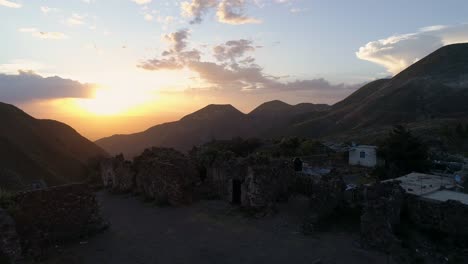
{"x": 209, "y": 232}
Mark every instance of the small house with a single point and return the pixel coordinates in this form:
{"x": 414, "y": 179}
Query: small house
{"x": 363, "y": 155}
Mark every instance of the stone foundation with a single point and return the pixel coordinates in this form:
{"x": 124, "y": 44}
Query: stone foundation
{"x": 448, "y": 217}
{"x": 45, "y": 218}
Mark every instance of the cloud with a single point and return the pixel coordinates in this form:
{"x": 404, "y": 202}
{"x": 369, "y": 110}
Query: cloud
{"x": 177, "y": 40}
{"x": 46, "y": 9}
{"x": 232, "y": 12}
{"x": 176, "y": 56}
{"x": 28, "y": 86}
{"x": 197, "y": 8}
{"x": 148, "y": 17}
{"x": 227, "y": 11}
{"x": 232, "y": 49}
{"x": 400, "y": 51}
{"x": 142, "y": 2}
{"x": 235, "y": 71}
{"x": 43, "y": 34}
{"x": 9, "y": 4}
{"x": 75, "y": 20}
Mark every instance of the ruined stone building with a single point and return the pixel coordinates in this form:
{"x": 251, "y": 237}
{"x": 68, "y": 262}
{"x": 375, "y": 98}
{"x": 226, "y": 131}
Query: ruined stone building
{"x": 250, "y": 183}
{"x": 165, "y": 175}
{"x": 117, "y": 174}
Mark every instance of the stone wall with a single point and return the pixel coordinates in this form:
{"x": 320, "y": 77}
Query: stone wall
{"x": 165, "y": 176}
{"x": 266, "y": 184}
{"x": 117, "y": 174}
{"x": 381, "y": 212}
{"x": 47, "y": 217}
{"x": 10, "y": 247}
{"x": 326, "y": 195}
{"x": 448, "y": 217}
{"x": 263, "y": 181}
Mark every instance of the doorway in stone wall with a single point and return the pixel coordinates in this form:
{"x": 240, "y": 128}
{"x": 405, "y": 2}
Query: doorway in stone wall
{"x": 236, "y": 191}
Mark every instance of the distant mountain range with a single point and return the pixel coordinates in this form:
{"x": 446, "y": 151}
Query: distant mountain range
{"x": 34, "y": 150}
{"x": 434, "y": 88}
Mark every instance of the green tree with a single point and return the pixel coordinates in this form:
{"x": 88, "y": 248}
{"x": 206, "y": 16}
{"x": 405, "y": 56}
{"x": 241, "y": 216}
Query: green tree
{"x": 403, "y": 153}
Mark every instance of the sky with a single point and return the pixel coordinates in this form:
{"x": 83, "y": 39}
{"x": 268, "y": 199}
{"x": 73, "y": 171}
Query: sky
{"x": 120, "y": 66}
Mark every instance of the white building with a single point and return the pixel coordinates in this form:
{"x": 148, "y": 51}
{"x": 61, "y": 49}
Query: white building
{"x": 363, "y": 155}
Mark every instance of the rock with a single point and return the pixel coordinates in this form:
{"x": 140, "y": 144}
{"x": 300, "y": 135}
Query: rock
{"x": 10, "y": 246}
{"x": 165, "y": 176}
{"x": 48, "y": 217}
{"x": 381, "y": 213}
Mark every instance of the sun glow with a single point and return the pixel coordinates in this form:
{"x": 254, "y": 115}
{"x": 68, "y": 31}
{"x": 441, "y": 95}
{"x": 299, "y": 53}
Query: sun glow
{"x": 108, "y": 102}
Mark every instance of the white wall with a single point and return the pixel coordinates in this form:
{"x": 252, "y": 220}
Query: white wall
{"x": 370, "y": 159}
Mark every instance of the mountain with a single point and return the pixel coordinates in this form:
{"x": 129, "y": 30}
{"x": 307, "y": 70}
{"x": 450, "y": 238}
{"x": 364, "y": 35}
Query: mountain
{"x": 33, "y": 150}
{"x": 433, "y": 88}
{"x": 430, "y": 91}
{"x": 208, "y": 123}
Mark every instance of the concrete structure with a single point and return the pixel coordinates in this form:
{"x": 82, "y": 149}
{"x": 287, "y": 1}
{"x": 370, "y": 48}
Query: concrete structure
{"x": 420, "y": 184}
{"x": 363, "y": 155}
{"x": 446, "y": 195}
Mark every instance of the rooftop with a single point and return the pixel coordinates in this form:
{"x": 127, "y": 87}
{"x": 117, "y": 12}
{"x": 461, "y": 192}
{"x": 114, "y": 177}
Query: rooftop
{"x": 421, "y": 184}
{"x": 445, "y": 195}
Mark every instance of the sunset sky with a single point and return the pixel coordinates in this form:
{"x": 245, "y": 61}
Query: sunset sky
{"x": 119, "y": 66}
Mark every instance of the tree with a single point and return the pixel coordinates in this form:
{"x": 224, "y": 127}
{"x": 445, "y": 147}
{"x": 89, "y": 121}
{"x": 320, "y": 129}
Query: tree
{"x": 403, "y": 153}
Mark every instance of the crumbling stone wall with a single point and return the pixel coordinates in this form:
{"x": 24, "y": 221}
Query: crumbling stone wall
{"x": 266, "y": 184}
{"x": 448, "y": 217}
{"x": 380, "y": 215}
{"x": 51, "y": 216}
{"x": 165, "y": 175}
{"x": 326, "y": 195}
{"x": 10, "y": 247}
{"x": 221, "y": 174}
{"x": 117, "y": 174}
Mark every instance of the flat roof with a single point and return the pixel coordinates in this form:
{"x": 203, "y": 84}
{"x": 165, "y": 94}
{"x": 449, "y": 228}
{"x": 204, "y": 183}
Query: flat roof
{"x": 420, "y": 184}
{"x": 445, "y": 195}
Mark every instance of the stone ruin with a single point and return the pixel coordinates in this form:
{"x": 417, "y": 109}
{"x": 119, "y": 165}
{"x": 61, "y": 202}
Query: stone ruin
{"x": 117, "y": 174}
{"x": 252, "y": 183}
{"x": 41, "y": 219}
{"x": 163, "y": 175}
{"x": 381, "y": 211}
{"x": 326, "y": 195}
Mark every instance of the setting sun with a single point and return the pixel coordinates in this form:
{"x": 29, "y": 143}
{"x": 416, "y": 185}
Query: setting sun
{"x": 112, "y": 102}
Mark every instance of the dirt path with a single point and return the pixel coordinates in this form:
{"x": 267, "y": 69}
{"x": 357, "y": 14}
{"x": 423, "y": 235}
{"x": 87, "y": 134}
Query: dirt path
{"x": 208, "y": 232}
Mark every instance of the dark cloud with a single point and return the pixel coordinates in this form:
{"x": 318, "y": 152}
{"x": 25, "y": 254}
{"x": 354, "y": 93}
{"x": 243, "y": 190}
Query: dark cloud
{"x": 27, "y": 86}
{"x": 233, "y": 49}
{"x": 235, "y": 72}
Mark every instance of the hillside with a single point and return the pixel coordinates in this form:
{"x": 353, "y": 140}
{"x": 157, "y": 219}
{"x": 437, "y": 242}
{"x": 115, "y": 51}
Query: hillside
{"x": 435, "y": 87}
{"x": 430, "y": 91}
{"x": 211, "y": 122}
{"x": 32, "y": 149}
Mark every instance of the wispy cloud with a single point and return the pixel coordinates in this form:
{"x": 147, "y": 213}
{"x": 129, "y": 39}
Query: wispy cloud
{"x": 9, "y": 4}
{"x": 46, "y": 9}
{"x": 43, "y": 34}
{"x": 397, "y": 52}
{"x": 142, "y": 2}
{"x": 236, "y": 70}
{"x": 227, "y": 11}
{"x": 75, "y": 20}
